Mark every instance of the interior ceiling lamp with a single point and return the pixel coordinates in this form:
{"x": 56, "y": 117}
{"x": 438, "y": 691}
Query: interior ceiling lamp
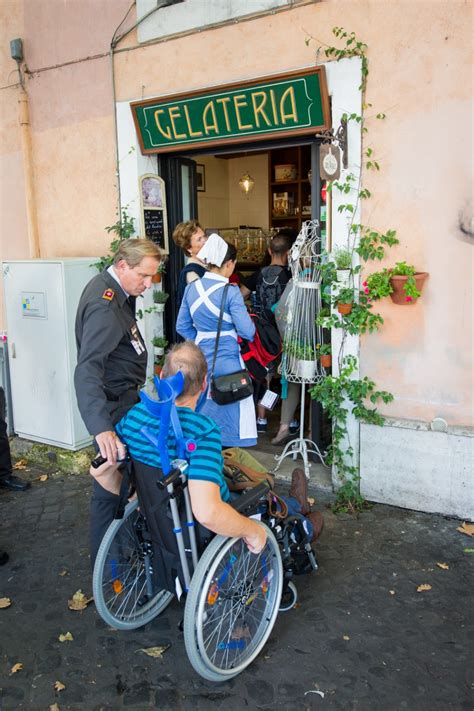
{"x": 246, "y": 183}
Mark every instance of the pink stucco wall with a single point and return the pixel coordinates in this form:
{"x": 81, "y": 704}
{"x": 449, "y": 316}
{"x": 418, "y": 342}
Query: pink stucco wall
{"x": 419, "y": 53}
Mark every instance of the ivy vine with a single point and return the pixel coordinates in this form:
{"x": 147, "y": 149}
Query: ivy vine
{"x": 345, "y": 394}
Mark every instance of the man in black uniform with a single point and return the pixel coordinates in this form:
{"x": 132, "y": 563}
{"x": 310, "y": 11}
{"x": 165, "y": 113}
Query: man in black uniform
{"x": 111, "y": 356}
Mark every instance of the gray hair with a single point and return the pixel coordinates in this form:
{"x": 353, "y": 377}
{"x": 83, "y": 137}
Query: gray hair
{"x": 189, "y": 359}
{"x": 133, "y": 250}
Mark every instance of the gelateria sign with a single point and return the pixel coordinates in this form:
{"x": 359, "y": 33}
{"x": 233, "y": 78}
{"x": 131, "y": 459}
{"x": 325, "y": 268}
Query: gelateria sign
{"x": 270, "y": 107}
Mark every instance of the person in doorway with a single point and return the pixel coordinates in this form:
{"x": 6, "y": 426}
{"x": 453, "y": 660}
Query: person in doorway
{"x": 190, "y": 237}
{"x": 268, "y": 285}
{"x": 197, "y": 320}
{"x": 111, "y": 354}
{"x": 208, "y": 489}
{"x": 7, "y": 480}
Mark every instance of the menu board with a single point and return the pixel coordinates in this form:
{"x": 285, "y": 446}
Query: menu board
{"x": 154, "y": 226}
{"x": 153, "y": 210}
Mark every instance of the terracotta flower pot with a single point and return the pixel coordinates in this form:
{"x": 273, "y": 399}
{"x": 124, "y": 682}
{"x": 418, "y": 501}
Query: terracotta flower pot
{"x": 397, "y": 283}
{"x": 156, "y": 278}
{"x": 344, "y": 309}
{"x": 157, "y": 369}
{"x": 326, "y": 360}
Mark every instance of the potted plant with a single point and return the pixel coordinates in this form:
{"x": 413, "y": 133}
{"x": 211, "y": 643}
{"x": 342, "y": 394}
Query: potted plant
{"x": 159, "y": 299}
{"x": 302, "y": 359}
{"x": 344, "y": 300}
{"x": 343, "y": 260}
{"x": 402, "y": 283}
{"x": 406, "y": 283}
{"x": 159, "y": 345}
{"x": 325, "y": 355}
{"x": 158, "y": 366}
{"x": 156, "y": 278}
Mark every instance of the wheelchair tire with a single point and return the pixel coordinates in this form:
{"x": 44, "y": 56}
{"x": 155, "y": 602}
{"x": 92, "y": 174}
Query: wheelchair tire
{"x": 231, "y": 606}
{"x": 119, "y": 580}
{"x": 289, "y": 598}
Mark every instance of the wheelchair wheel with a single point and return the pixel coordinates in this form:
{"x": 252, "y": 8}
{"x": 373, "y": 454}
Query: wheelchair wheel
{"x": 231, "y": 606}
{"x": 288, "y": 598}
{"x": 122, "y": 582}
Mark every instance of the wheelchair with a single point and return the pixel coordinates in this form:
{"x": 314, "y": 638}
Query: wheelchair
{"x": 155, "y": 550}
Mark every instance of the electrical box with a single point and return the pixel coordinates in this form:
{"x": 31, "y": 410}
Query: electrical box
{"x": 41, "y": 298}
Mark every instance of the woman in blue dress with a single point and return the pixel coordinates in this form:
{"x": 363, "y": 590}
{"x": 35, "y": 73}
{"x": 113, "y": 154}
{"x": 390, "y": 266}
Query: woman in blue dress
{"x": 197, "y": 320}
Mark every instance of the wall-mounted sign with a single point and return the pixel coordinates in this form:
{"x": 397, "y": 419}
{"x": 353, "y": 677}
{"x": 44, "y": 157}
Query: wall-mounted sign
{"x": 286, "y": 105}
{"x": 329, "y": 162}
{"x": 153, "y": 210}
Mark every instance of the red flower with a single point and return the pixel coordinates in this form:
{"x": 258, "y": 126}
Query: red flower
{"x": 366, "y": 291}
{"x": 364, "y": 283}
{"x": 408, "y": 298}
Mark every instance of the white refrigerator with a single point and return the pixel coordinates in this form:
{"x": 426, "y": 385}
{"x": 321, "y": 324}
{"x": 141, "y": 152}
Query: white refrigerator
{"x": 41, "y": 298}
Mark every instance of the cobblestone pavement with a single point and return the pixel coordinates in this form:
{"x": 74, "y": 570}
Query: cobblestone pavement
{"x": 361, "y": 636}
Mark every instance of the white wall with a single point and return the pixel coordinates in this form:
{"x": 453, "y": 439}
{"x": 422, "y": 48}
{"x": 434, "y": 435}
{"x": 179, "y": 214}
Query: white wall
{"x": 405, "y": 464}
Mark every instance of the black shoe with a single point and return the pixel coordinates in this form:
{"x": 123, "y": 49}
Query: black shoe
{"x": 294, "y": 426}
{"x": 3, "y": 557}
{"x": 14, "y": 483}
{"x": 262, "y": 426}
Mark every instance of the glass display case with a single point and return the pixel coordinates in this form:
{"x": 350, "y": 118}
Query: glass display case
{"x": 251, "y": 243}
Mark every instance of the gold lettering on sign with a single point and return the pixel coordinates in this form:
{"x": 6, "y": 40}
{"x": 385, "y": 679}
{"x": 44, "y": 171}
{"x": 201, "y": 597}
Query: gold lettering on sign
{"x": 175, "y": 113}
{"x": 167, "y": 133}
{"x": 288, "y": 93}
{"x": 238, "y": 103}
{"x": 275, "y": 112}
{"x": 188, "y": 121}
{"x": 210, "y": 108}
{"x": 225, "y": 100}
{"x": 258, "y": 107}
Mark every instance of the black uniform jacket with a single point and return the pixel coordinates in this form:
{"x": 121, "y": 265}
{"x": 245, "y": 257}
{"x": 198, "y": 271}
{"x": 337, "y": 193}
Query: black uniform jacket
{"x": 111, "y": 355}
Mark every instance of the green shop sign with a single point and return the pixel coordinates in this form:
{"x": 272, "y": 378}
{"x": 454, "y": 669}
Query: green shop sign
{"x": 284, "y": 105}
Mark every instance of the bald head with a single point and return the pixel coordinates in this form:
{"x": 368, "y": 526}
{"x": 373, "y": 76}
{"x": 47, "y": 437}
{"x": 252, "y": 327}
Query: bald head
{"x": 188, "y": 358}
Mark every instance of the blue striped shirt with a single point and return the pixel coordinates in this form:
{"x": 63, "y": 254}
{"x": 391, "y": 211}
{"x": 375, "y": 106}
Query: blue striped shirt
{"x": 205, "y": 463}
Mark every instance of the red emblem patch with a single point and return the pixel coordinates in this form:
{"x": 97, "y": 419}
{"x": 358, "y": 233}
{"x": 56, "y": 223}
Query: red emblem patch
{"x": 108, "y": 294}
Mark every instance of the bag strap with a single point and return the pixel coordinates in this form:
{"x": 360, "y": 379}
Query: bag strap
{"x": 276, "y": 505}
{"x": 219, "y": 325}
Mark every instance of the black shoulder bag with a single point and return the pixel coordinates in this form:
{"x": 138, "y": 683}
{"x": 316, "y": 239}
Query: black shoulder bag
{"x": 235, "y": 386}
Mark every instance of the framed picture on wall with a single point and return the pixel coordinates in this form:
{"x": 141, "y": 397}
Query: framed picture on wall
{"x": 201, "y": 177}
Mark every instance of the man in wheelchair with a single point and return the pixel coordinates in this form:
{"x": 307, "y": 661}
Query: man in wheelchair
{"x": 241, "y": 578}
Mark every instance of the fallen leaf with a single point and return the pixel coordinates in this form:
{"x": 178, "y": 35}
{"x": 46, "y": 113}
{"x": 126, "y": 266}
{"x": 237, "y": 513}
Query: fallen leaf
{"x": 54, "y": 707}
{"x": 20, "y": 464}
{"x": 443, "y": 566}
{"x": 16, "y": 668}
{"x": 155, "y": 651}
{"x": 315, "y": 691}
{"x": 310, "y": 501}
{"x": 346, "y": 637}
{"x": 79, "y": 601}
{"x": 392, "y": 592}
{"x": 5, "y": 602}
{"x": 66, "y": 637}
{"x": 422, "y": 588}
{"x": 43, "y": 477}
{"x": 59, "y": 686}
{"x": 64, "y": 572}
{"x": 467, "y": 528}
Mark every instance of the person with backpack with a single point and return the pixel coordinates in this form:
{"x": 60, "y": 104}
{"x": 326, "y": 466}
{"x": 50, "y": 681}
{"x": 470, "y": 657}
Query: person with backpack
{"x": 268, "y": 284}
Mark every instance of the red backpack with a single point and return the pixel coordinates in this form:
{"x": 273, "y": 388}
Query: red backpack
{"x": 264, "y": 349}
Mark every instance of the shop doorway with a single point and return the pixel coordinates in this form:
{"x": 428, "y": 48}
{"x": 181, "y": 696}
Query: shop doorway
{"x": 286, "y": 191}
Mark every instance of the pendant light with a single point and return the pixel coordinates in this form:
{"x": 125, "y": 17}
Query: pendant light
{"x": 246, "y": 183}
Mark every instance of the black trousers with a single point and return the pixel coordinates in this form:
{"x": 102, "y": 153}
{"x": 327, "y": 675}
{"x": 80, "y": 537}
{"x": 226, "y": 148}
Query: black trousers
{"x": 5, "y": 456}
{"x": 104, "y": 504}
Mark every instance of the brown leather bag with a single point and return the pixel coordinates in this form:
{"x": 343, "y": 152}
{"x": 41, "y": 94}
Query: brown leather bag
{"x": 241, "y": 476}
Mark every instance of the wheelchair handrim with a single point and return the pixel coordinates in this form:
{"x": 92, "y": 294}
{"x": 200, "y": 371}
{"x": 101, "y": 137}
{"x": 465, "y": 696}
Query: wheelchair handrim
{"x": 267, "y": 617}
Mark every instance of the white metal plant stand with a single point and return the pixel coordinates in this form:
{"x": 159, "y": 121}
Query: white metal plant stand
{"x": 301, "y": 334}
